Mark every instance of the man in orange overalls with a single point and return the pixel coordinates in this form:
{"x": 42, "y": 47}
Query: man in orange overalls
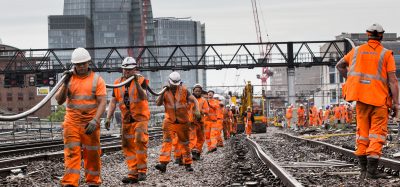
{"x": 132, "y": 101}
{"x": 300, "y": 116}
{"x": 176, "y": 99}
{"x": 370, "y": 73}
{"x": 85, "y": 93}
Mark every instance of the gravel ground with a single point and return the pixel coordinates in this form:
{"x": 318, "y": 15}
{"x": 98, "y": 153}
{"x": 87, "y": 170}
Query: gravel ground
{"x": 289, "y": 152}
{"x": 210, "y": 171}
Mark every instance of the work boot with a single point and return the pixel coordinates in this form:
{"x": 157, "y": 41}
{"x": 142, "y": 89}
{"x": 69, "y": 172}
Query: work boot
{"x": 162, "y": 167}
{"x": 212, "y": 150}
{"x": 178, "y": 161}
{"x": 129, "y": 180}
{"x": 142, "y": 177}
{"x": 188, "y": 167}
{"x": 362, "y": 160}
{"x": 372, "y": 169}
{"x": 194, "y": 155}
{"x": 69, "y": 185}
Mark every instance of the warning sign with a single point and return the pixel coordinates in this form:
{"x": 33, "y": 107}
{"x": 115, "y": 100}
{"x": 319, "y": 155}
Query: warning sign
{"x": 43, "y": 90}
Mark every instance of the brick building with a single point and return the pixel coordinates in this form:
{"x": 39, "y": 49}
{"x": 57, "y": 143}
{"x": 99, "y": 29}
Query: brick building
{"x": 22, "y": 98}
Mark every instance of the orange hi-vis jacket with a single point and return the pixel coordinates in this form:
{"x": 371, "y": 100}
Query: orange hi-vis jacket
{"x": 212, "y": 113}
{"x": 367, "y": 79}
{"x": 326, "y": 114}
{"x": 139, "y": 109}
{"x": 337, "y": 112}
{"x": 191, "y": 112}
{"x": 203, "y": 107}
{"x": 176, "y": 106}
{"x": 81, "y": 98}
{"x": 220, "y": 113}
{"x": 300, "y": 112}
{"x": 289, "y": 113}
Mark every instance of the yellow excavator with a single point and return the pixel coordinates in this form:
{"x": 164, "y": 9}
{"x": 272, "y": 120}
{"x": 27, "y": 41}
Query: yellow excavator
{"x": 256, "y": 103}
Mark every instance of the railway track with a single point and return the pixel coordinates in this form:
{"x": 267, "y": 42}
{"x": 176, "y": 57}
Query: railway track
{"x": 18, "y": 164}
{"x": 314, "y": 163}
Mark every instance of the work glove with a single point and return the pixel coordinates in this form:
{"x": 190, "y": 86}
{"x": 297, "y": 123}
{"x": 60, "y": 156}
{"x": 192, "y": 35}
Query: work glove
{"x": 68, "y": 75}
{"x": 91, "y": 127}
{"x": 197, "y": 115}
{"x": 107, "y": 124}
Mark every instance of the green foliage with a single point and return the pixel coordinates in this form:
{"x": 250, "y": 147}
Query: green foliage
{"x": 58, "y": 116}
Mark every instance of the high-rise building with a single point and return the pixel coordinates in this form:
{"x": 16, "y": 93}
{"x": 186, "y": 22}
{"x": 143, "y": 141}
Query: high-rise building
{"x": 102, "y": 23}
{"x": 179, "y": 31}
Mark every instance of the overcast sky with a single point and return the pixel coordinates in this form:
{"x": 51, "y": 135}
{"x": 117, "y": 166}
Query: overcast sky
{"x": 23, "y": 23}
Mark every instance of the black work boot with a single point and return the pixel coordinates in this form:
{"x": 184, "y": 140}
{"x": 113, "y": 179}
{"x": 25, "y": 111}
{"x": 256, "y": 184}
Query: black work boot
{"x": 372, "y": 169}
{"x": 129, "y": 180}
{"x": 162, "y": 167}
{"x": 142, "y": 177}
{"x": 188, "y": 167}
{"x": 178, "y": 161}
{"x": 362, "y": 160}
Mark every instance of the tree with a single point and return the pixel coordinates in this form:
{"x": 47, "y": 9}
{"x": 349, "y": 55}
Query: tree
{"x": 58, "y": 116}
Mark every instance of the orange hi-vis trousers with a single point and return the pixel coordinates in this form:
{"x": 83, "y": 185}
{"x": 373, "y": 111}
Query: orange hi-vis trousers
{"x": 227, "y": 129}
{"x": 218, "y": 133}
{"x": 197, "y": 137}
{"x": 371, "y": 129}
{"x": 248, "y": 128}
{"x": 135, "y": 138}
{"x": 77, "y": 142}
{"x": 209, "y": 131}
{"x": 234, "y": 127}
{"x": 182, "y": 132}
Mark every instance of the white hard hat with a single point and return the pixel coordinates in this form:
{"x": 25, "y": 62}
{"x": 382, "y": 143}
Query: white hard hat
{"x": 197, "y": 86}
{"x": 128, "y": 63}
{"x": 375, "y": 28}
{"x": 175, "y": 78}
{"x": 228, "y": 106}
{"x": 80, "y": 55}
{"x": 320, "y": 108}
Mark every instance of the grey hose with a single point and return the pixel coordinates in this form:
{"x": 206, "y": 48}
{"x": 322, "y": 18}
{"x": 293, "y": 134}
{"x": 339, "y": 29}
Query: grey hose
{"x": 36, "y": 107}
{"x": 351, "y": 42}
{"x": 129, "y": 80}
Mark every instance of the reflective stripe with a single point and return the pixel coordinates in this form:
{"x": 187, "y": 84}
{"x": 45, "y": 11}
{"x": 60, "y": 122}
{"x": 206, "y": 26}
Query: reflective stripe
{"x": 177, "y": 151}
{"x": 82, "y": 97}
{"x": 94, "y": 184}
{"x": 131, "y": 157}
{"x": 167, "y": 140}
{"x": 141, "y": 130}
{"x": 91, "y": 147}
{"x": 358, "y": 137}
{"x": 141, "y": 152}
{"x": 377, "y": 136}
{"x": 165, "y": 154}
{"x": 208, "y": 141}
{"x": 184, "y": 143}
{"x": 377, "y": 76}
{"x": 133, "y": 172}
{"x": 94, "y": 85}
{"x": 186, "y": 156}
{"x": 129, "y": 136}
{"x": 95, "y": 173}
{"x": 74, "y": 106}
{"x": 214, "y": 128}
{"x": 71, "y": 145}
{"x": 72, "y": 171}
{"x": 373, "y": 156}
{"x": 141, "y": 166}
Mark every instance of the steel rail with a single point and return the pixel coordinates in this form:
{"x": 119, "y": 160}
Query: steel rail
{"x": 105, "y": 148}
{"x": 38, "y": 106}
{"x": 392, "y": 164}
{"x": 285, "y": 177}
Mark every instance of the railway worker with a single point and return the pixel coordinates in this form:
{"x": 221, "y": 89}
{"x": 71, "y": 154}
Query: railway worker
{"x": 249, "y": 120}
{"x": 220, "y": 124}
{"x": 85, "y": 94}
{"x": 198, "y": 137}
{"x": 313, "y": 115}
{"x": 227, "y": 122}
{"x": 370, "y": 73}
{"x": 327, "y": 114}
{"x": 320, "y": 116}
{"x": 349, "y": 116}
{"x": 337, "y": 116}
{"x": 175, "y": 100}
{"x": 234, "y": 120}
{"x": 289, "y": 115}
{"x": 211, "y": 122}
{"x": 342, "y": 115}
{"x": 300, "y": 116}
{"x": 133, "y": 103}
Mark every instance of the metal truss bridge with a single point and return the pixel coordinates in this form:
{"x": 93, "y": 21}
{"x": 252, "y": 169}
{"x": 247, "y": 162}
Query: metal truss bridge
{"x": 181, "y": 57}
